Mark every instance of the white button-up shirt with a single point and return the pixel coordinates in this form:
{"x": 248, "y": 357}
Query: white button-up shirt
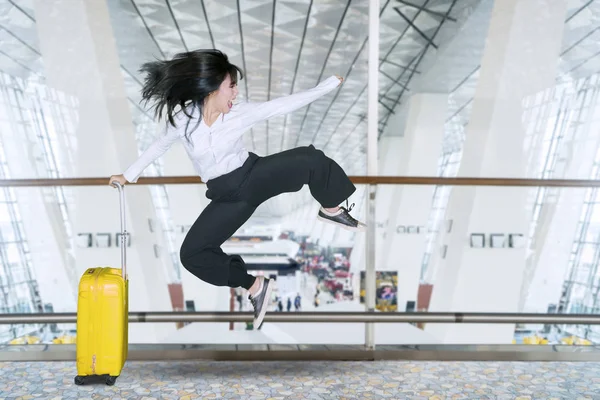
{"x": 219, "y": 149}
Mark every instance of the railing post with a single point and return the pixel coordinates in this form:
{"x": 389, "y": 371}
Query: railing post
{"x": 372, "y": 134}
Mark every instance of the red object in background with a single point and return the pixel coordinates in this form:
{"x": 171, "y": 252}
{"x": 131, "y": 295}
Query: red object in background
{"x": 333, "y": 285}
{"x": 176, "y": 294}
{"x": 423, "y": 299}
{"x": 424, "y": 296}
{"x": 340, "y": 273}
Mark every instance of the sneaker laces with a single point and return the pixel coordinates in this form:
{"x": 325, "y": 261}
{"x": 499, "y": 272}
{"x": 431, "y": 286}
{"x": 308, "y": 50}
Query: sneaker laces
{"x": 347, "y": 210}
{"x": 351, "y": 206}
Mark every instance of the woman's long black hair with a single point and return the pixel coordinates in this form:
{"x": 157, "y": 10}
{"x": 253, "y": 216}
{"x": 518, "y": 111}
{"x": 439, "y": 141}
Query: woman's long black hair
{"x": 186, "y": 80}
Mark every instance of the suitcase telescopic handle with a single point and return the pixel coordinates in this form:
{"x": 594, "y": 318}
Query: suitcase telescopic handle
{"x": 123, "y": 228}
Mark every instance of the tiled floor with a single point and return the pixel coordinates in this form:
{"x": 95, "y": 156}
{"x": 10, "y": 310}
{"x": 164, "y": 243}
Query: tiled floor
{"x": 310, "y": 380}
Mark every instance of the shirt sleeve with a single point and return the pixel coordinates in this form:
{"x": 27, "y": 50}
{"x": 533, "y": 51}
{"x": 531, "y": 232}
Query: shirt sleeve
{"x": 256, "y": 112}
{"x": 155, "y": 150}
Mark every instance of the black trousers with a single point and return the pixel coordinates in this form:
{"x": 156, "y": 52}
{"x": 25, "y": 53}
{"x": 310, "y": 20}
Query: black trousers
{"x": 236, "y": 195}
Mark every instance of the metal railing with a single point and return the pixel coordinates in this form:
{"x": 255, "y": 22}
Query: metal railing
{"x": 358, "y": 179}
{"x": 368, "y": 317}
{"x": 323, "y": 317}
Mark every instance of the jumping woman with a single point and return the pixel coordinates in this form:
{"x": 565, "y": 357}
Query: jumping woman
{"x": 197, "y": 91}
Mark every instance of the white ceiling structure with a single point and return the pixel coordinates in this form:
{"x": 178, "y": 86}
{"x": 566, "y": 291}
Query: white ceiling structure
{"x": 290, "y": 45}
{"x": 283, "y": 46}
{"x": 457, "y": 70}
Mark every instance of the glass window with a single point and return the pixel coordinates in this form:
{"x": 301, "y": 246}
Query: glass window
{"x": 595, "y": 214}
{"x": 4, "y": 213}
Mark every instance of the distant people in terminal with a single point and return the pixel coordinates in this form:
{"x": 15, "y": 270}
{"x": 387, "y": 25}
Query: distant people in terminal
{"x": 195, "y": 92}
{"x": 298, "y": 302}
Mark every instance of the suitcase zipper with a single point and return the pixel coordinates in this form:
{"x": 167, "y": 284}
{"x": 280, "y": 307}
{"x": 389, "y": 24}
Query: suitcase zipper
{"x": 94, "y": 330}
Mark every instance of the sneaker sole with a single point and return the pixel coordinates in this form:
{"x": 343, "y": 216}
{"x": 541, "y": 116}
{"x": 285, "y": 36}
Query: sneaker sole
{"x": 263, "y": 310}
{"x": 346, "y": 227}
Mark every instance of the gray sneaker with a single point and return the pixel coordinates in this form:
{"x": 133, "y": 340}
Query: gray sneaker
{"x": 261, "y": 300}
{"x": 342, "y": 218}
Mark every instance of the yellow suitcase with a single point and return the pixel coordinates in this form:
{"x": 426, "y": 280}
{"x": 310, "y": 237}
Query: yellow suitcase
{"x": 102, "y": 317}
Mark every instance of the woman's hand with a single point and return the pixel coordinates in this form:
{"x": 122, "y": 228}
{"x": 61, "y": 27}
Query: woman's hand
{"x": 340, "y": 78}
{"x": 117, "y": 178}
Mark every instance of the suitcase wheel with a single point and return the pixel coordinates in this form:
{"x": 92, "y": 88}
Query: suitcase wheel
{"x": 82, "y": 380}
{"x": 79, "y": 380}
{"x": 110, "y": 380}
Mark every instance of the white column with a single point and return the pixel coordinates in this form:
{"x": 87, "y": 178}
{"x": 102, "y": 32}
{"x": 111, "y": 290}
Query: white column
{"x": 388, "y": 163}
{"x": 41, "y": 218}
{"x": 410, "y": 206}
{"x": 520, "y": 59}
{"x": 81, "y": 59}
{"x": 548, "y": 260}
{"x": 372, "y": 162}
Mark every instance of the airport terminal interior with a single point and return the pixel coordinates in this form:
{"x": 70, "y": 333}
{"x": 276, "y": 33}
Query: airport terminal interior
{"x": 470, "y": 129}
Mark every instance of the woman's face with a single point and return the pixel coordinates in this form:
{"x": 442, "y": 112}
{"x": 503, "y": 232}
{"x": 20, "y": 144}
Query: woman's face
{"x": 222, "y": 100}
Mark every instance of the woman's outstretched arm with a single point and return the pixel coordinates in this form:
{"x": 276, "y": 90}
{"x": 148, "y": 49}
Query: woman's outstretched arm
{"x": 155, "y": 150}
{"x": 256, "y": 112}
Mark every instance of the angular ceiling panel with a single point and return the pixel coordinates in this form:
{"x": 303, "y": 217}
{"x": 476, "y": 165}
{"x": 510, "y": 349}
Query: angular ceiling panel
{"x": 306, "y": 42}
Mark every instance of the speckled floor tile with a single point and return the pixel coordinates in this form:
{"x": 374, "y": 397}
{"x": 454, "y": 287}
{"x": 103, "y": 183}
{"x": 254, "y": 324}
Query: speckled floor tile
{"x": 309, "y": 380}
